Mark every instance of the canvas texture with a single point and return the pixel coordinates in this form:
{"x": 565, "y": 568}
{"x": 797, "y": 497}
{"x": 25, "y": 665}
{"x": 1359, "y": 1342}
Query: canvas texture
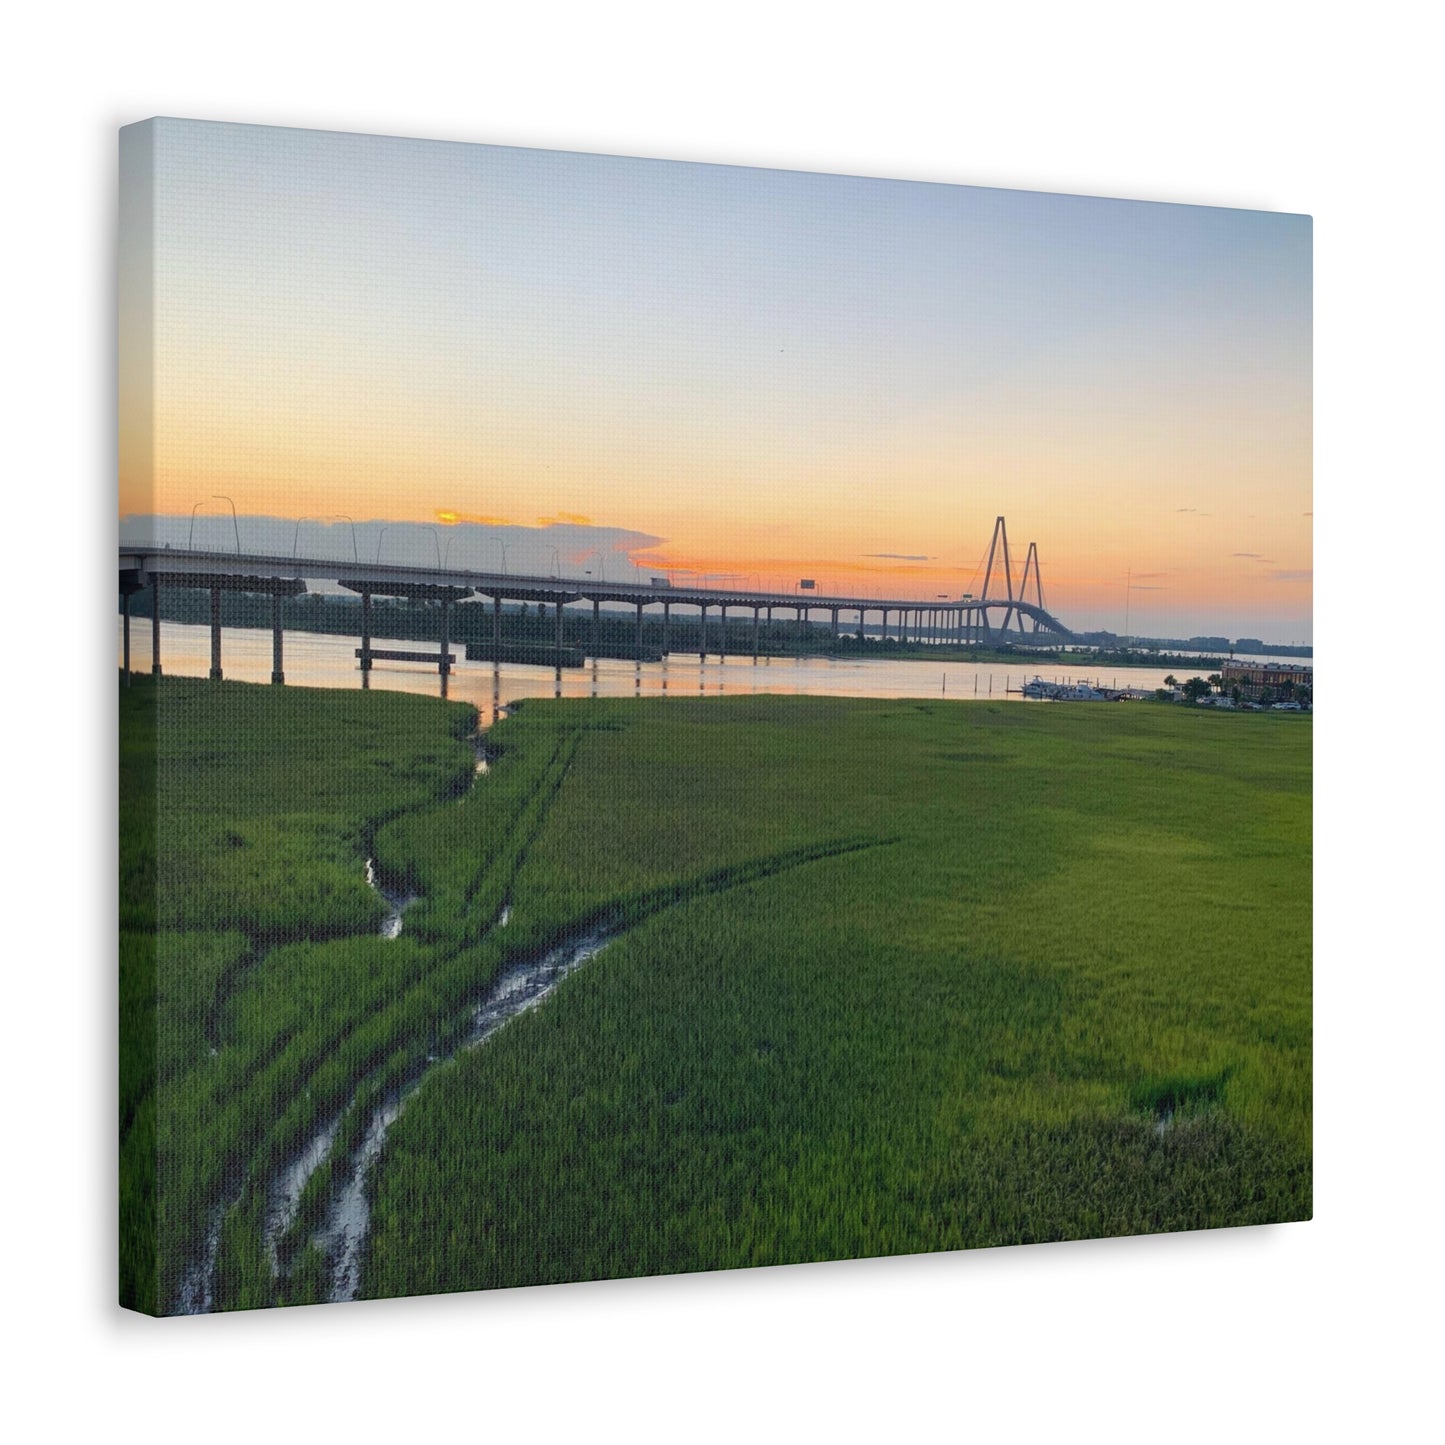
{"x": 680, "y": 717}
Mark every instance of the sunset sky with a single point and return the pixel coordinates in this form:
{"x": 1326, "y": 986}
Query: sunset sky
{"x": 772, "y": 374}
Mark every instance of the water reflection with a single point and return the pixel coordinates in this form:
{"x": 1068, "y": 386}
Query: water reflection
{"x": 318, "y": 660}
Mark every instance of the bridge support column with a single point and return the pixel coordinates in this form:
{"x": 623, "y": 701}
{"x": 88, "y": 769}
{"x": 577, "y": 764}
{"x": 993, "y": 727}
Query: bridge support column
{"x": 497, "y": 624}
{"x": 666, "y": 628}
{"x": 366, "y": 631}
{"x": 639, "y": 631}
{"x": 702, "y": 636}
{"x": 125, "y": 635}
{"x": 559, "y": 624}
{"x": 722, "y": 647}
{"x": 215, "y": 634}
{"x": 756, "y": 614}
{"x": 835, "y": 624}
{"x": 443, "y": 666}
{"x": 156, "y": 625}
{"x": 277, "y": 675}
{"x": 596, "y": 625}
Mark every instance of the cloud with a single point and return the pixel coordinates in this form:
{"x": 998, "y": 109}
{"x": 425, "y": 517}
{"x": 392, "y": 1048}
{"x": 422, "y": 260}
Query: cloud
{"x": 899, "y": 556}
{"x": 459, "y": 540}
{"x": 1292, "y": 574}
{"x": 1255, "y": 555}
{"x": 449, "y": 518}
{"x": 1184, "y": 509}
{"x": 1147, "y": 575}
{"x": 1149, "y": 587}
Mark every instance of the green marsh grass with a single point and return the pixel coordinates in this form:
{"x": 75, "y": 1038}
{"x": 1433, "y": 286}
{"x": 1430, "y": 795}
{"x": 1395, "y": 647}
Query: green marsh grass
{"x": 890, "y": 976}
{"x": 1072, "y": 997}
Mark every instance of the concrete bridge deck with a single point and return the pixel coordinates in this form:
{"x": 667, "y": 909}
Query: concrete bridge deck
{"x": 144, "y": 566}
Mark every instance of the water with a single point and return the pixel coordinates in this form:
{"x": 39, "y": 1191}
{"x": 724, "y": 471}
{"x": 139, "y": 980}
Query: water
{"x": 320, "y": 660}
{"x": 197, "y": 1293}
{"x": 396, "y": 903}
{"x": 348, "y": 1220}
{"x": 284, "y": 1196}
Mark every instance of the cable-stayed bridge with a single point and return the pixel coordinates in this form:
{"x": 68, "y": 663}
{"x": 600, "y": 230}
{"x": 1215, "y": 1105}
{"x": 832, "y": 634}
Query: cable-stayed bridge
{"x": 999, "y": 610}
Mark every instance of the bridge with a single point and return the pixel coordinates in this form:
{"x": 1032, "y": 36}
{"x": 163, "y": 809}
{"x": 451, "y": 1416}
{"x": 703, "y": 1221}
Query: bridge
{"x": 965, "y": 619}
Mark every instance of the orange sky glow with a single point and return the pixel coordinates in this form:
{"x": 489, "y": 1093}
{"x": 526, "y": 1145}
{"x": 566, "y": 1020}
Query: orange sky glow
{"x": 778, "y": 376}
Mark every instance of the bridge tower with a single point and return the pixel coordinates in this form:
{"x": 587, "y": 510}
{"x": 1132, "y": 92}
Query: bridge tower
{"x": 1031, "y": 564}
{"x": 1000, "y": 535}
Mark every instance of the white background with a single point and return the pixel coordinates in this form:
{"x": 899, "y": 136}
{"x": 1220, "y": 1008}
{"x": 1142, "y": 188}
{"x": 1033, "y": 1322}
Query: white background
{"x": 1292, "y": 1332}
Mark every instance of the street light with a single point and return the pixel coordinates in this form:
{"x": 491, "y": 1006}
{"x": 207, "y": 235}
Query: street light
{"x": 234, "y": 523}
{"x": 296, "y": 535}
{"x": 342, "y": 517}
{"x": 556, "y": 564}
{"x": 191, "y": 535}
{"x": 503, "y": 546}
{"x": 379, "y": 538}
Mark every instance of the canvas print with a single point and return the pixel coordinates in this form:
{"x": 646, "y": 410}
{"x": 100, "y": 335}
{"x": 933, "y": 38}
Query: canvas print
{"x": 679, "y": 717}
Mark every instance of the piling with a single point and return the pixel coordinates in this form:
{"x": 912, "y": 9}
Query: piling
{"x": 215, "y": 634}
{"x": 277, "y": 675}
{"x": 156, "y": 625}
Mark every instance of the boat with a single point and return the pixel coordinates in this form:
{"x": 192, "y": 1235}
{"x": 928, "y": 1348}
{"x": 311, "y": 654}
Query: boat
{"x": 1066, "y": 691}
